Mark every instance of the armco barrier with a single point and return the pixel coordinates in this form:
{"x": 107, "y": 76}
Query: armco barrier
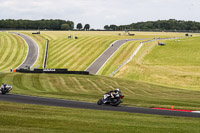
{"x": 55, "y": 71}
{"x": 46, "y": 54}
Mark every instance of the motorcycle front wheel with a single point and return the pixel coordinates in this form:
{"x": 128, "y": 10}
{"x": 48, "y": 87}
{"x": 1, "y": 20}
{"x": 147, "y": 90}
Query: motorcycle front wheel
{"x": 100, "y": 102}
{"x": 3, "y": 91}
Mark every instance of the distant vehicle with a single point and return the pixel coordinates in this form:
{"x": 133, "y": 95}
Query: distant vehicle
{"x": 5, "y": 88}
{"x": 113, "y": 98}
{"x": 161, "y": 44}
{"x": 131, "y": 34}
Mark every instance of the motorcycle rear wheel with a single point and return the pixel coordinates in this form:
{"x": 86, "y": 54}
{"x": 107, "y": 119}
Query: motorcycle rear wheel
{"x": 116, "y": 103}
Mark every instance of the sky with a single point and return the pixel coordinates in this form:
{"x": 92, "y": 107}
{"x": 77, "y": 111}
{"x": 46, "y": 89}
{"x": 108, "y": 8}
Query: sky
{"x": 99, "y": 13}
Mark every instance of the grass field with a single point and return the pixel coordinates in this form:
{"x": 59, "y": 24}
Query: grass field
{"x": 177, "y": 64}
{"x": 34, "y": 118}
{"x": 78, "y": 54}
{"x": 13, "y": 51}
{"x": 167, "y": 69}
{"x": 92, "y": 88}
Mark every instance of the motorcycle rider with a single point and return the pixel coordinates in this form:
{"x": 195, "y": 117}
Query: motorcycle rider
{"x": 3, "y": 86}
{"x": 115, "y": 92}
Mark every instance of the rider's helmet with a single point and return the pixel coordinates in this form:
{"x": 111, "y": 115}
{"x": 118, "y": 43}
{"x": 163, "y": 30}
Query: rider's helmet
{"x": 117, "y": 89}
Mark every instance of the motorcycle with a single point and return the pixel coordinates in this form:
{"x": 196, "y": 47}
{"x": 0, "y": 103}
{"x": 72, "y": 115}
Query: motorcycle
{"x": 112, "y": 99}
{"x": 5, "y": 88}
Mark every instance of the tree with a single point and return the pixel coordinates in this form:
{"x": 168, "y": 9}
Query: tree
{"x": 79, "y": 26}
{"x": 65, "y": 27}
{"x": 86, "y": 27}
{"x": 106, "y": 27}
{"x": 113, "y": 27}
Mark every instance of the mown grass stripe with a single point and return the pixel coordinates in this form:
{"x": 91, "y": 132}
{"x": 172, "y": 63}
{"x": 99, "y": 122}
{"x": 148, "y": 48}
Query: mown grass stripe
{"x": 7, "y": 53}
{"x": 56, "y": 52}
{"x": 77, "y": 81}
{"x": 74, "y": 85}
{"x": 18, "y": 82}
{"x": 65, "y": 51}
{"x": 96, "y": 87}
{"x": 7, "y": 49}
{"x": 12, "y": 52}
{"x": 79, "y": 53}
{"x": 82, "y": 65}
{"x": 12, "y": 55}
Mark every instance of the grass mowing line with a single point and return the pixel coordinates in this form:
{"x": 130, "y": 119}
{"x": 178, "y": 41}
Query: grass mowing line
{"x": 4, "y": 56}
{"x": 79, "y": 49}
{"x": 66, "y": 61}
{"x": 55, "y": 50}
{"x": 58, "y": 47}
{"x": 90, "y": 50}
{"x": 95, "y": 86}
{"x": 7, "y": 52}
{"x": 67, "y": 50}
{"x": 80, "y": 85}
{"x": 15, "y": 50}
{"x": 21, "y": 49}
{"x": 78, "y": 57}
{"x": 10, "y": 51}
{"x": 75, "y": 83}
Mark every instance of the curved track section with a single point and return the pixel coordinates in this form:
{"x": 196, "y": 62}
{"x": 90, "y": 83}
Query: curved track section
{"x": 84, "y": 105}
{"x": 106, "y": 55}
{"x": 33, "y": 51}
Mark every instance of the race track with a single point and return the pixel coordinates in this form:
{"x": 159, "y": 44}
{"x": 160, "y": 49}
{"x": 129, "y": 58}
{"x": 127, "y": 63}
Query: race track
{"x": 84, "y": 105}
{"x": 33, "y": 51}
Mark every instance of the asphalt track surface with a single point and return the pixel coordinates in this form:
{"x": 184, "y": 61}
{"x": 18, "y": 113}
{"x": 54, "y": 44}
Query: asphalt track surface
{"x": 105, "y": 56}
{"x": 33, "y": 51}
{"x": 84, "y": 105}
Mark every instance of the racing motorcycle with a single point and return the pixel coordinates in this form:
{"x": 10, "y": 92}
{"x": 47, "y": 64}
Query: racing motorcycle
{"x": 112, "y": 99}
{"x": 5, "y": 88}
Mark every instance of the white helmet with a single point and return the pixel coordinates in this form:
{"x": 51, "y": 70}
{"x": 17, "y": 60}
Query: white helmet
{"x": 117, "y": 89}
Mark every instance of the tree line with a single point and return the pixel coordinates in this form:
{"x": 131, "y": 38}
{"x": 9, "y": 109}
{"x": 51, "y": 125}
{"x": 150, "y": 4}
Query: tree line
{"x": 160, "y": 25}
{"x": 50, "y": 24}
{"x": 42, "y": 24}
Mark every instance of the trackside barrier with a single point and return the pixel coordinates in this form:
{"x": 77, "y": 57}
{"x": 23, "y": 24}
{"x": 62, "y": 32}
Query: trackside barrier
{"x": 45, "y": 54}
{"x": 53, "y": 71}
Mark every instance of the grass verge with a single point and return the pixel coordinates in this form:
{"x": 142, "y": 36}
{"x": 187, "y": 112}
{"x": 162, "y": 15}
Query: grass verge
{"x": 25, "y": 118}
